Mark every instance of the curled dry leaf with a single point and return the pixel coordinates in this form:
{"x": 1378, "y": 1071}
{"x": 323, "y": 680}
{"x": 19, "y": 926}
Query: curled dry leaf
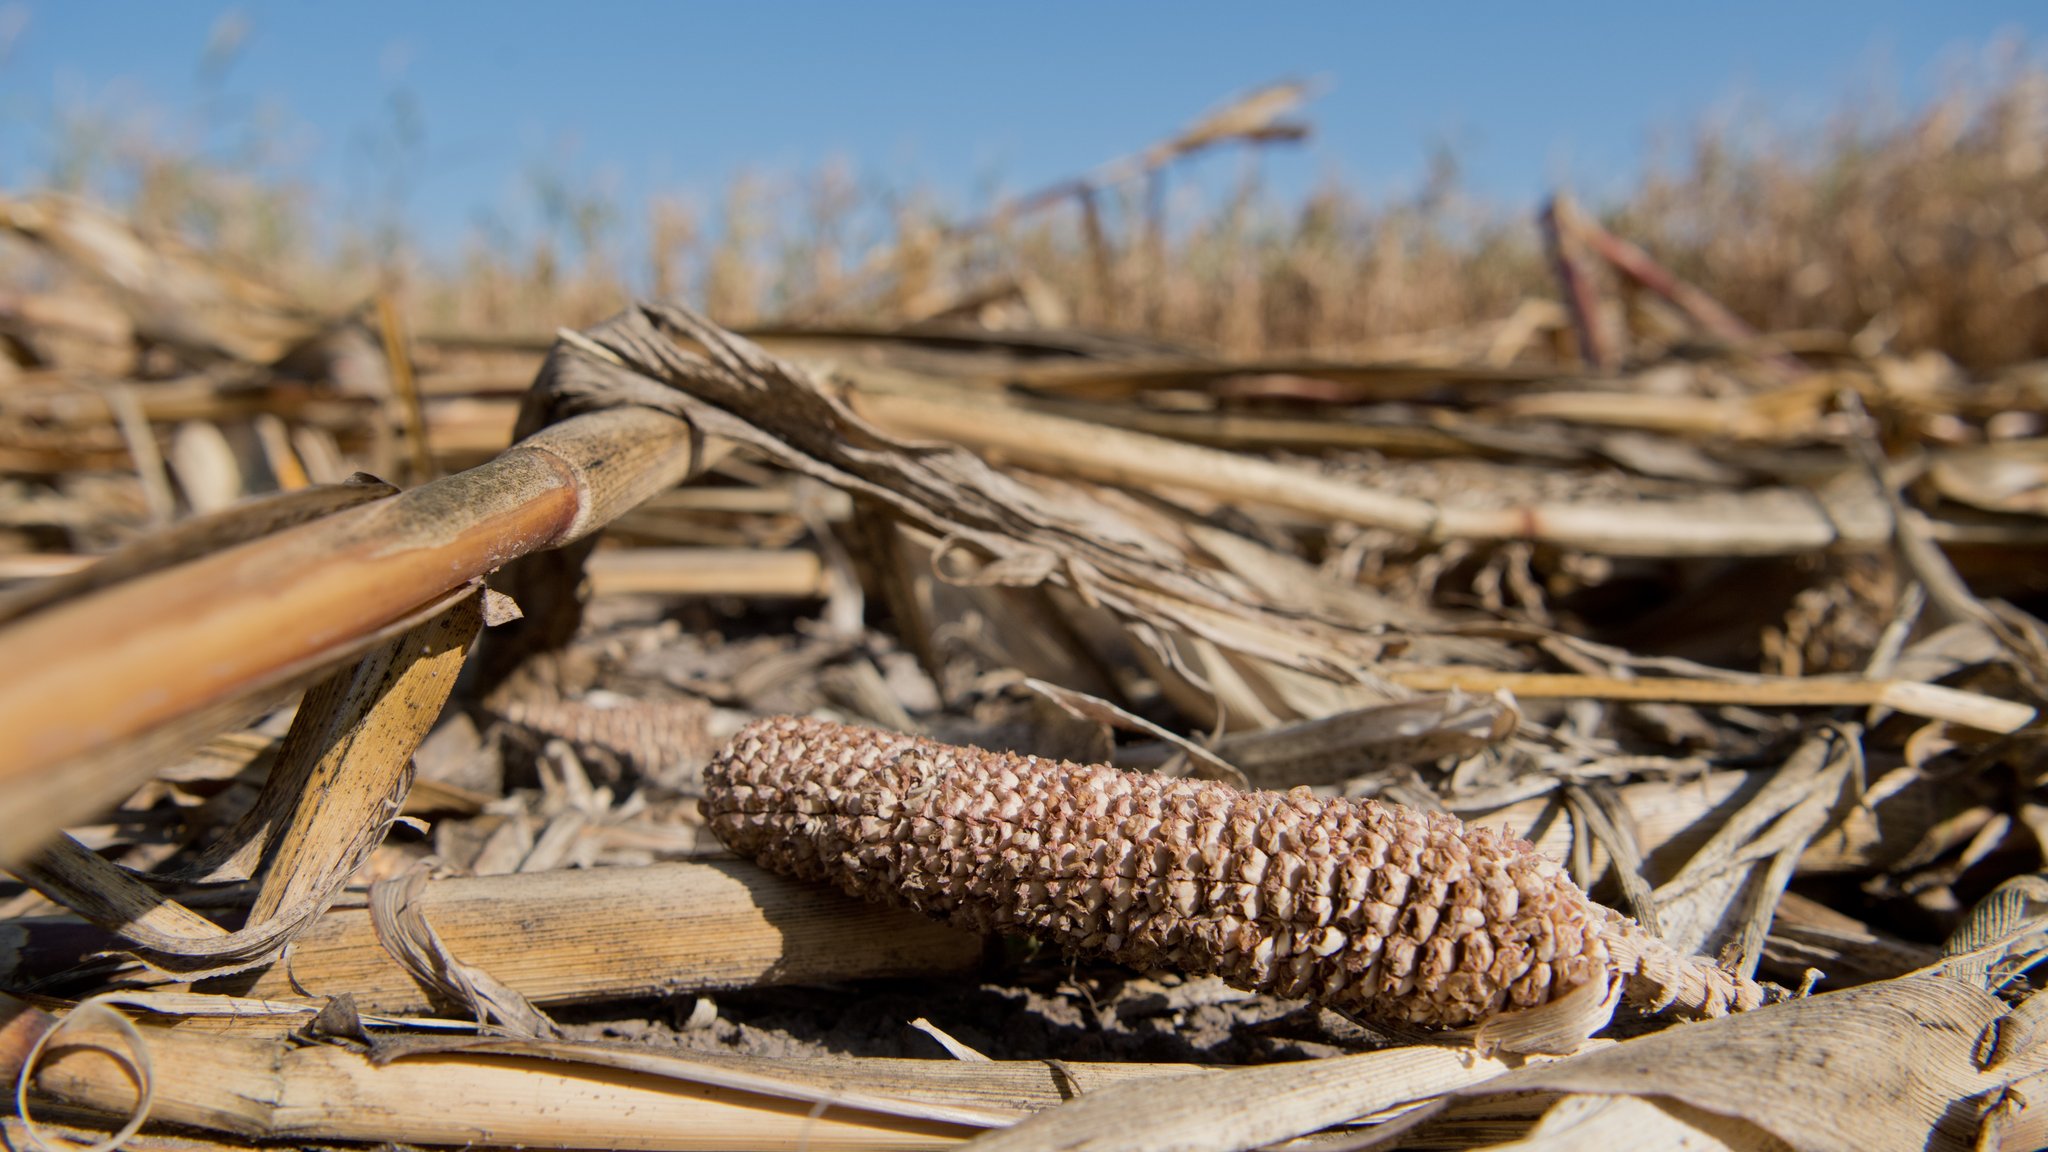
{"x": 406, "y": 933}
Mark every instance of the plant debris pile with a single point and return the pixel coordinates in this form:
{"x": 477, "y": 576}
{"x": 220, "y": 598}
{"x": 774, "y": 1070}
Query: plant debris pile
{"x": 351, "y": 755}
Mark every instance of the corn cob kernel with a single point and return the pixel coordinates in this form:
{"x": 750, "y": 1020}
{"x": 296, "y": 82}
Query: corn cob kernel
{"x": 1399, "y": 917}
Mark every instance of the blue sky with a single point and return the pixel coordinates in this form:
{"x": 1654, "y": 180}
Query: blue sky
{"x": 956, "y": 98}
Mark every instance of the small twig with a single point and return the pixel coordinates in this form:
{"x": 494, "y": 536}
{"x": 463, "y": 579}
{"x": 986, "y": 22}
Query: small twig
{"x": 1560, "y": 228}
{"x": 1913, "y": 697}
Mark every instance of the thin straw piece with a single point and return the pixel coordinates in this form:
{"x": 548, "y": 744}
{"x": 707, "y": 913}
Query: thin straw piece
{"x": 1933, "y": 701}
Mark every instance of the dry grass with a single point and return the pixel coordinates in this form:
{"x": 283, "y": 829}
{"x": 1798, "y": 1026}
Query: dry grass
{"x": 1923, "y": 232}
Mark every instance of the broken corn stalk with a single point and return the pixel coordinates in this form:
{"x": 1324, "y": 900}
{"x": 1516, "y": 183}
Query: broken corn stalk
{"x": 1401, "y": 918}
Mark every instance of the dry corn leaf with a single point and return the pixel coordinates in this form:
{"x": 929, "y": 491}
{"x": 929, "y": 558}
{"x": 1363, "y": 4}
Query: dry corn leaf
{"x": 1239, "y": 1108}
{"x": 405, "y": 932}
{"x": 1726, "y": 892}
{"x": 1640, "y": 1124}
{"x": 2004, "y": 934}
{"x": 262, "y": 1084}
{"x": 1025, "y": 536}
{"x": 1888, "y": 1066}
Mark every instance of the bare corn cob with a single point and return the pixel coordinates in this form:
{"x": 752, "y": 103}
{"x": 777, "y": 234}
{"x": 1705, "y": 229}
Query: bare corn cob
{"x": 1397, "y": 916}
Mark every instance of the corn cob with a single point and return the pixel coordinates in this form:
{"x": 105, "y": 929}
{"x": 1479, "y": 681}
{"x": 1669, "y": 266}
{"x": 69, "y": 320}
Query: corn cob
{"x": 1399, "y": 917}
